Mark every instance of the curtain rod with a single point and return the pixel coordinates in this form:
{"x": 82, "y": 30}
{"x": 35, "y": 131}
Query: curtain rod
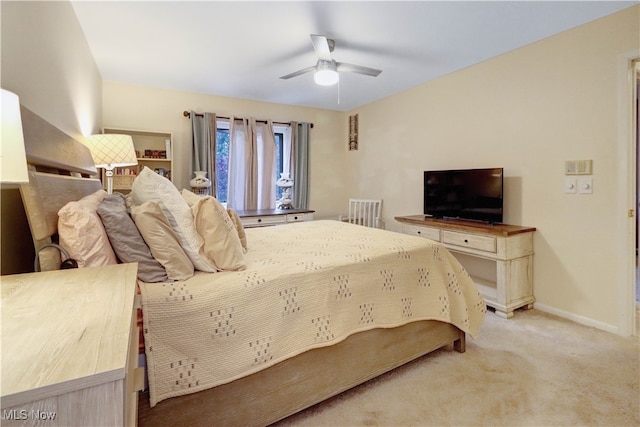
{"x": 188, "y": 114}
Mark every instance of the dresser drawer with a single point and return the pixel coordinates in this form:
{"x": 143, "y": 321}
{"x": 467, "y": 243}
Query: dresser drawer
{"x": 471, "y": 241}
{"x": 258, "y": 221}
{"x": 299, "y": 217}
{"x": 428, "y": 232}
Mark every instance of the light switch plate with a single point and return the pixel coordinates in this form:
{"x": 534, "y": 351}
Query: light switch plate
{"x": 570, "y": 185}
{"x": 585, "y": 185}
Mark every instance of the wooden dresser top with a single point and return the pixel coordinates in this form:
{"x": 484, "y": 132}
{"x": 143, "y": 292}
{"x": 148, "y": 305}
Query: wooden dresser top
{"x": 462, "y": 225}
{"x": 270, "y": 212}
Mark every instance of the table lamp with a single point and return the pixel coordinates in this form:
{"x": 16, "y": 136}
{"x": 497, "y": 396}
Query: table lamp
{"x": 285, "y": 182}
{"x": 13, "y": 165}
{"x": 110, "y": 151}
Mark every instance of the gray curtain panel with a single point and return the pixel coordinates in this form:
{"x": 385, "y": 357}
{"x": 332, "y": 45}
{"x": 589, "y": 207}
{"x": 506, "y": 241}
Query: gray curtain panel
{"x": 203, "y": 146}
{"x": 300, "y": 165}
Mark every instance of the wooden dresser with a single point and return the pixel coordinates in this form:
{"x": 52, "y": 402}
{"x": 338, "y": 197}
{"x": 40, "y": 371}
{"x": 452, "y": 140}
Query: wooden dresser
{"x": 266, "y": 217}
{"x": 507, "y": 249}
{"x": 69, "y": 347}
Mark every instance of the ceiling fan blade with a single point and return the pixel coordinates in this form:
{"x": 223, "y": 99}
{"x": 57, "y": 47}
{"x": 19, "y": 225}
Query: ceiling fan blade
{"x": 321, "y": 47}
{"x": 350, "y": 68}
{"x": 299, "y": 72}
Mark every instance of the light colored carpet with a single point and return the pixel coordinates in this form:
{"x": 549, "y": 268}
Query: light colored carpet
{"x": 531, "y": 370}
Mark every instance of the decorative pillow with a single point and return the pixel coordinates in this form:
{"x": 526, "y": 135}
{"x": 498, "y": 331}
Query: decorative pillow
{"x": 126, "y": 240}
{"x": 128, "y": 199}
{"x": 190, "y": 197}
{"x": 221, "y": 241}
{"x": 81, "y": 232}
{"x": 151, "y": 187}
{"x": 162, "y": 240}
{"x": 239, "y": 228}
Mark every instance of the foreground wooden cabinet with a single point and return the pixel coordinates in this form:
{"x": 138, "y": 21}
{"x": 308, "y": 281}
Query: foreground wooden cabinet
{"x": 508, "y": 249}
{"x": 69, "y": 348}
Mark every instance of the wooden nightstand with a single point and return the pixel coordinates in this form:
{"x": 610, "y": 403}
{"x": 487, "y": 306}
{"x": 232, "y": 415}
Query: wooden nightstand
{"x": 70, "y": 347}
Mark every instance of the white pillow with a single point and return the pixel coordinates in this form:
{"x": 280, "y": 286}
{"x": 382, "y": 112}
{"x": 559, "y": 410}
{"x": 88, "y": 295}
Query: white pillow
{"x": 151, "y": 187}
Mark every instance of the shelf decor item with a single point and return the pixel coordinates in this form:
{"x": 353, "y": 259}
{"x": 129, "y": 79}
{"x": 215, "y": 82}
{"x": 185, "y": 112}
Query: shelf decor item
{"x": 285, "y": 182}
{"x": 110, "y": 151}
{"x": 200, "y": 184}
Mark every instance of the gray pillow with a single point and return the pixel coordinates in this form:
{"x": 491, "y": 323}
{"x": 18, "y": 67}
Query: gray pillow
{"x": 127, "y": 243}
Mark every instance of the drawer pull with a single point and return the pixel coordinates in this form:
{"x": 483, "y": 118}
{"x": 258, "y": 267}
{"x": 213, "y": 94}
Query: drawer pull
{"x": 419, "y": 232}
{"x": 259, "y": 219}
{"x": 466, "y": 240}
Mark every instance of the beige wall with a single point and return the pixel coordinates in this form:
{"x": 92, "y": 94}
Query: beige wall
{"x": 527, "y": 111}
{"x": 46, "y": 61}
{"x": 141, "y": 108}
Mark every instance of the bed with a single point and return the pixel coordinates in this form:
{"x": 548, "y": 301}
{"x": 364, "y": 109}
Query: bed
{"x": 330, "y": 306}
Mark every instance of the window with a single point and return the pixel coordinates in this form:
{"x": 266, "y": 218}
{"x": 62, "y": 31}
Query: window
{"x": 222, "y": 160}
{"x": 222, "y": 164}
{"x": 279, "y": 137}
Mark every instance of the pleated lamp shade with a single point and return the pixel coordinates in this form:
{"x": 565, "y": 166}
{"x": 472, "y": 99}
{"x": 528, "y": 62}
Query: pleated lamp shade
{"x": 110, "y": 151}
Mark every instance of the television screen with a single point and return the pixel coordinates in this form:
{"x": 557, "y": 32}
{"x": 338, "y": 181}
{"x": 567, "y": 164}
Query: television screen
{"x": 474, "y": 194}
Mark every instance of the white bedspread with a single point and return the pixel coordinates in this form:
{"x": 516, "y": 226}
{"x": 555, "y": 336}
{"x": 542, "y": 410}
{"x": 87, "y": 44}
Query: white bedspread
{"x": 307, "y": 285}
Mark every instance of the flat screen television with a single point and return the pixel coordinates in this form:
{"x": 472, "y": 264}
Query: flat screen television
{"x": 472, "y": 194}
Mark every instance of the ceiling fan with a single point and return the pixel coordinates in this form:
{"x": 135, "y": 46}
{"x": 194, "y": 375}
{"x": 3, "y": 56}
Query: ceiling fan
{"x": 326, "y": 69}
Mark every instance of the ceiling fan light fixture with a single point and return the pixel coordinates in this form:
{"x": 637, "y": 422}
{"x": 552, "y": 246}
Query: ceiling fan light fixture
{"x": 326, "y": 74}
{"x": 326, "y": 77}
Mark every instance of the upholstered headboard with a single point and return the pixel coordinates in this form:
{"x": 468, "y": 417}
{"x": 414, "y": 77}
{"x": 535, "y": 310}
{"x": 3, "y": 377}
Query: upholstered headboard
{"x": 59, "y": 172}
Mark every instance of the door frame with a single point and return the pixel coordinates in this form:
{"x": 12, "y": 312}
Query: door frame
{"x": 627, "y": 204}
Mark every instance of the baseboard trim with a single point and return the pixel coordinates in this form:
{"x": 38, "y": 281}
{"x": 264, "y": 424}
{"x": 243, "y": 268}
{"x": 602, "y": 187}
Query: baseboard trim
{"x": 578, "y": 319}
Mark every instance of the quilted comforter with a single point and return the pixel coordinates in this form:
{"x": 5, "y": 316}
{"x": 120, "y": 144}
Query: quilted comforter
{"x": 306, "y": 285}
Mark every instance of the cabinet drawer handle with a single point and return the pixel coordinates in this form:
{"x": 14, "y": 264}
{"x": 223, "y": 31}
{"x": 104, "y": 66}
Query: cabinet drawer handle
{"x": 466, "y": 240}
{"x": 259, "y": 219}
{"x": 419, "y": 232}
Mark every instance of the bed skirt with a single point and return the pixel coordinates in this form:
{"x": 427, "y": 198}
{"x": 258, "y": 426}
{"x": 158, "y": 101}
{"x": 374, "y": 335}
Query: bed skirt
{"x": 295, "y": 384}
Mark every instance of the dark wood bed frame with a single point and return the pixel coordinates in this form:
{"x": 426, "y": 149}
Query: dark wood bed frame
{"x": 60, "y": 169}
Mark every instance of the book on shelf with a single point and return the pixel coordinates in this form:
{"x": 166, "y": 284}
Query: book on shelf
{"x": 124, "y": 171}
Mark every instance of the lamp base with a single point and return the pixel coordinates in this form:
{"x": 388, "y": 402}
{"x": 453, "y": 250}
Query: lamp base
{"x": 284, "y": 206}
{"x": 109, "y": 174}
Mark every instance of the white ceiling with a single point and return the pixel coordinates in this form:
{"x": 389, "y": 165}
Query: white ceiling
{"x": 240, "y": 49}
